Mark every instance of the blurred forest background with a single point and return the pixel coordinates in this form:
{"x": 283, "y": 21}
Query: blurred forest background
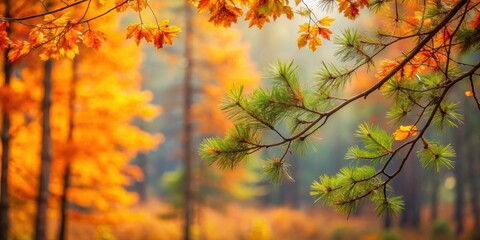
{"x": 126, "y": 121}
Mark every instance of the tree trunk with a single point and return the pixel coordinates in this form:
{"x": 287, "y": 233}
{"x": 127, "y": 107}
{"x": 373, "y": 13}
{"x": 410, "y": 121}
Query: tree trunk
{"x": 46, "y": 156}
{"x": 387, "y": 221}
{"x": 7, "y": 71}
{"x": 460, "y": 186}
{"x": 62, "y": 232}
{"x": 472, "y": 175}
{"x": 187, "y": 127}
{"x": 411, "y": 214}
{"x": 434, "y": 197}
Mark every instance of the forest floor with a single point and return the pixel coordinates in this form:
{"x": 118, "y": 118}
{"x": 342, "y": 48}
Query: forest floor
{"x": 158, "y": 221}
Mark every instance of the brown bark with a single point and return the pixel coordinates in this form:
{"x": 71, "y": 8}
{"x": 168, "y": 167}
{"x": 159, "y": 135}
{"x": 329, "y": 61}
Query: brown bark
{"x": 411, "y": 214}
{"x": 472, "y": 175}
{"x": 434, "y": 197}
{"x": 5, "y": 136}
{"x": 46, "y": 156}
{"x": 187, "y": 127}
{"x": 460, "y": 186}
{"x": 62, "y": 233}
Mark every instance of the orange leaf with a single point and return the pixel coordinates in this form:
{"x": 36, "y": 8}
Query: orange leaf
{"x": 325, "y": 32}
{"x": 225, "y": 14}
{"x": 349, "y": 9}
{"x": 476, "y": 21}
{"x": 302, "y": 40}
{"x": 165, "y": 34}
{"x": 469, "y": 93}
{"x": 121, "y": 5}
{"x": 138, "y": 5}
{"x": 94, "y": 39}
{"x": 403, "y": 132}
{"x": 4, "y": 41}
{"x": 139, "y": 31}
{"x": 36, "y": 37}
{"x": 203, "y": 5}
{"x": 19, "y": 50}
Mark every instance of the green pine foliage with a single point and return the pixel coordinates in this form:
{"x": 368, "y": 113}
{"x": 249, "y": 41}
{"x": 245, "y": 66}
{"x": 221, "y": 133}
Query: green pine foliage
{"x": 436, "y": 155}
{"x": 289, "y": 113}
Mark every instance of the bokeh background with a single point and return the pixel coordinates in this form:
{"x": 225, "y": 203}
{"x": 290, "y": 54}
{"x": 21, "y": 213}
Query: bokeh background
{"x": 126, "y": 152}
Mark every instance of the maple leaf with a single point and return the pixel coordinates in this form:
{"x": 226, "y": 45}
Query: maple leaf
{"x": 94, "y": 39}
{"x": 349, "y": 9}
{"x": 36, "y": 37}
{"x": 137, "y": 5}
{"x": 326, "y": 21}
{"x": 469, "y": 93}
{"x": 302, "y": 40}
{"x": 403, "y": 132}
{"x": 121, "y": 5}
{"x": 324, "y": 32}
{"x": 203, "y": 5}
{"x": 297, "y": 2}
{"x": 18, "y": 50}
{"x": 225, "y": 14}
{"x": 139, "y": 31}
{"x": 314, "y": 42}
{"x": 165, "y": 34}
{"x": 256, "y": 18}
{"x": 310, "y": 35}
{"x": 4, "y": 40}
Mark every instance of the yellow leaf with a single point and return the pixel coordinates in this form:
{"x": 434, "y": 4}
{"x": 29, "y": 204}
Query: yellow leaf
{"x": 314, "y": 42}
{"x": 304, "y": 28}
{"x": 403, "y": 132}
{"x": 326, "y": 21}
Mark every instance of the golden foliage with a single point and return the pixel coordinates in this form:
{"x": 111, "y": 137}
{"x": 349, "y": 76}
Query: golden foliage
{"x": 309, "y": 34}
{"x": 403, "y": 132}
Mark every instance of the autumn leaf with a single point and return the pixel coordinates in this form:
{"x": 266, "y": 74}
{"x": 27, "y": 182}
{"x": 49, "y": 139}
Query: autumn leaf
{"x": 18, "y": 50}
{"x": 314, "y": 42}
{"x": 137, "y": 5}
{"x": 302, "y": 40}
{"x": 326, "y": 21}
{"x": 476, "y": 21}
{"x": 203, "y": 5}
{"x": 256, "y": 18}
{"x": 36, "y": 37}
{"x": 94, "y": 39}
{"x": 297, "y": 2}
{"x": 349, "y": 8}
{"x": 324, "y": 32}
{"x": 403, "y": 132}
{"x": 310, "y": 35}
{"x": 139, "y": 31}
{"x": 469, "y": 93}
{"x": 121, "y": 5}
{"x": 4, "y": 41}
{"x": 165, "y": 34}
{"x": 225, "y": 14}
